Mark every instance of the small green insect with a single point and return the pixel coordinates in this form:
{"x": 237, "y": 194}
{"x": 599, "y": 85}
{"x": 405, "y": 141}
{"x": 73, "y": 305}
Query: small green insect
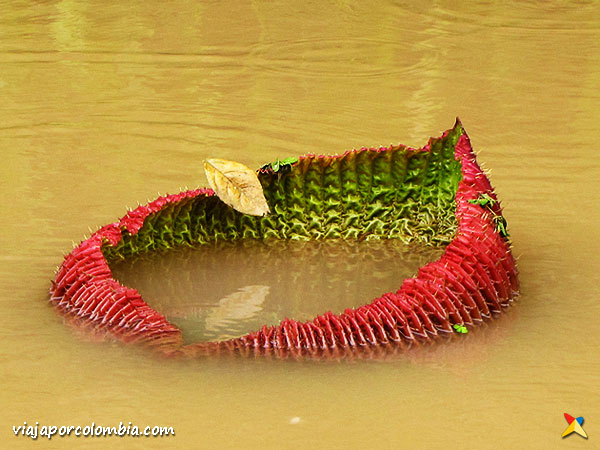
{"x": 483, "y": 200}
{"x": 280, "y": 166}
{"x": 460, "y": 328}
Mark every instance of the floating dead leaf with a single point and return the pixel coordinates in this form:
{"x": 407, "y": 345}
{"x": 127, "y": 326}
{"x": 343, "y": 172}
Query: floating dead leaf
{"x": 237, "y": 186}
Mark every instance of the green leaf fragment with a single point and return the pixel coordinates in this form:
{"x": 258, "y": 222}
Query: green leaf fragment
{"x": 280, "y": 164}
{"x": 483, "y": 200}
{"x": 500, "y": 223}
{"x": 460, "y": 328}
{"x": 290, "y": 160}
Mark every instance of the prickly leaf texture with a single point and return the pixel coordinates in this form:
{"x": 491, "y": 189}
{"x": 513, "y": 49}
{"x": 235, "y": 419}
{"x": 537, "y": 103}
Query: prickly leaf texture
{"x": 395, "y": 192}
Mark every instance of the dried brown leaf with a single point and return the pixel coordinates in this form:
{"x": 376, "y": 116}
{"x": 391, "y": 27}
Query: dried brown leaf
{"x": 237, "y": 186}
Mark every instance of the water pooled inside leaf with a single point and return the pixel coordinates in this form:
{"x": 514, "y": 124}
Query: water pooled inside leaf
{"x": 225, "y": 290}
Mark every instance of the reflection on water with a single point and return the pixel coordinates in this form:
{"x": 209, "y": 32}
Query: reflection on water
{"x": 217, "y": 292}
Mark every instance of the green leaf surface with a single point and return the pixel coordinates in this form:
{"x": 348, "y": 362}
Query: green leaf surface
{"x": 460, "y": 328}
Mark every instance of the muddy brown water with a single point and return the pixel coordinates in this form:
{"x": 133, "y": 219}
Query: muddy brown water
{"x": 102, "y": 107}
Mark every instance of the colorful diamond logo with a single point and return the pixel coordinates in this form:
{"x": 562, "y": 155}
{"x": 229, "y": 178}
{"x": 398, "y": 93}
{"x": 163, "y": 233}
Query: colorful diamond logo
{"x": 574, "y": 426}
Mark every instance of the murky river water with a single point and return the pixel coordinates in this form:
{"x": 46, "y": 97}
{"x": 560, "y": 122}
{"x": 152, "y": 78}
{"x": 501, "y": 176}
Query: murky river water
{"x": 102, "y": 107}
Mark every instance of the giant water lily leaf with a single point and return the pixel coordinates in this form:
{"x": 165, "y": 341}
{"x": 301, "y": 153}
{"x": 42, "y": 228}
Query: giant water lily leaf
{"x": 237, "y": 186}
{"x": 412, "y": 195}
